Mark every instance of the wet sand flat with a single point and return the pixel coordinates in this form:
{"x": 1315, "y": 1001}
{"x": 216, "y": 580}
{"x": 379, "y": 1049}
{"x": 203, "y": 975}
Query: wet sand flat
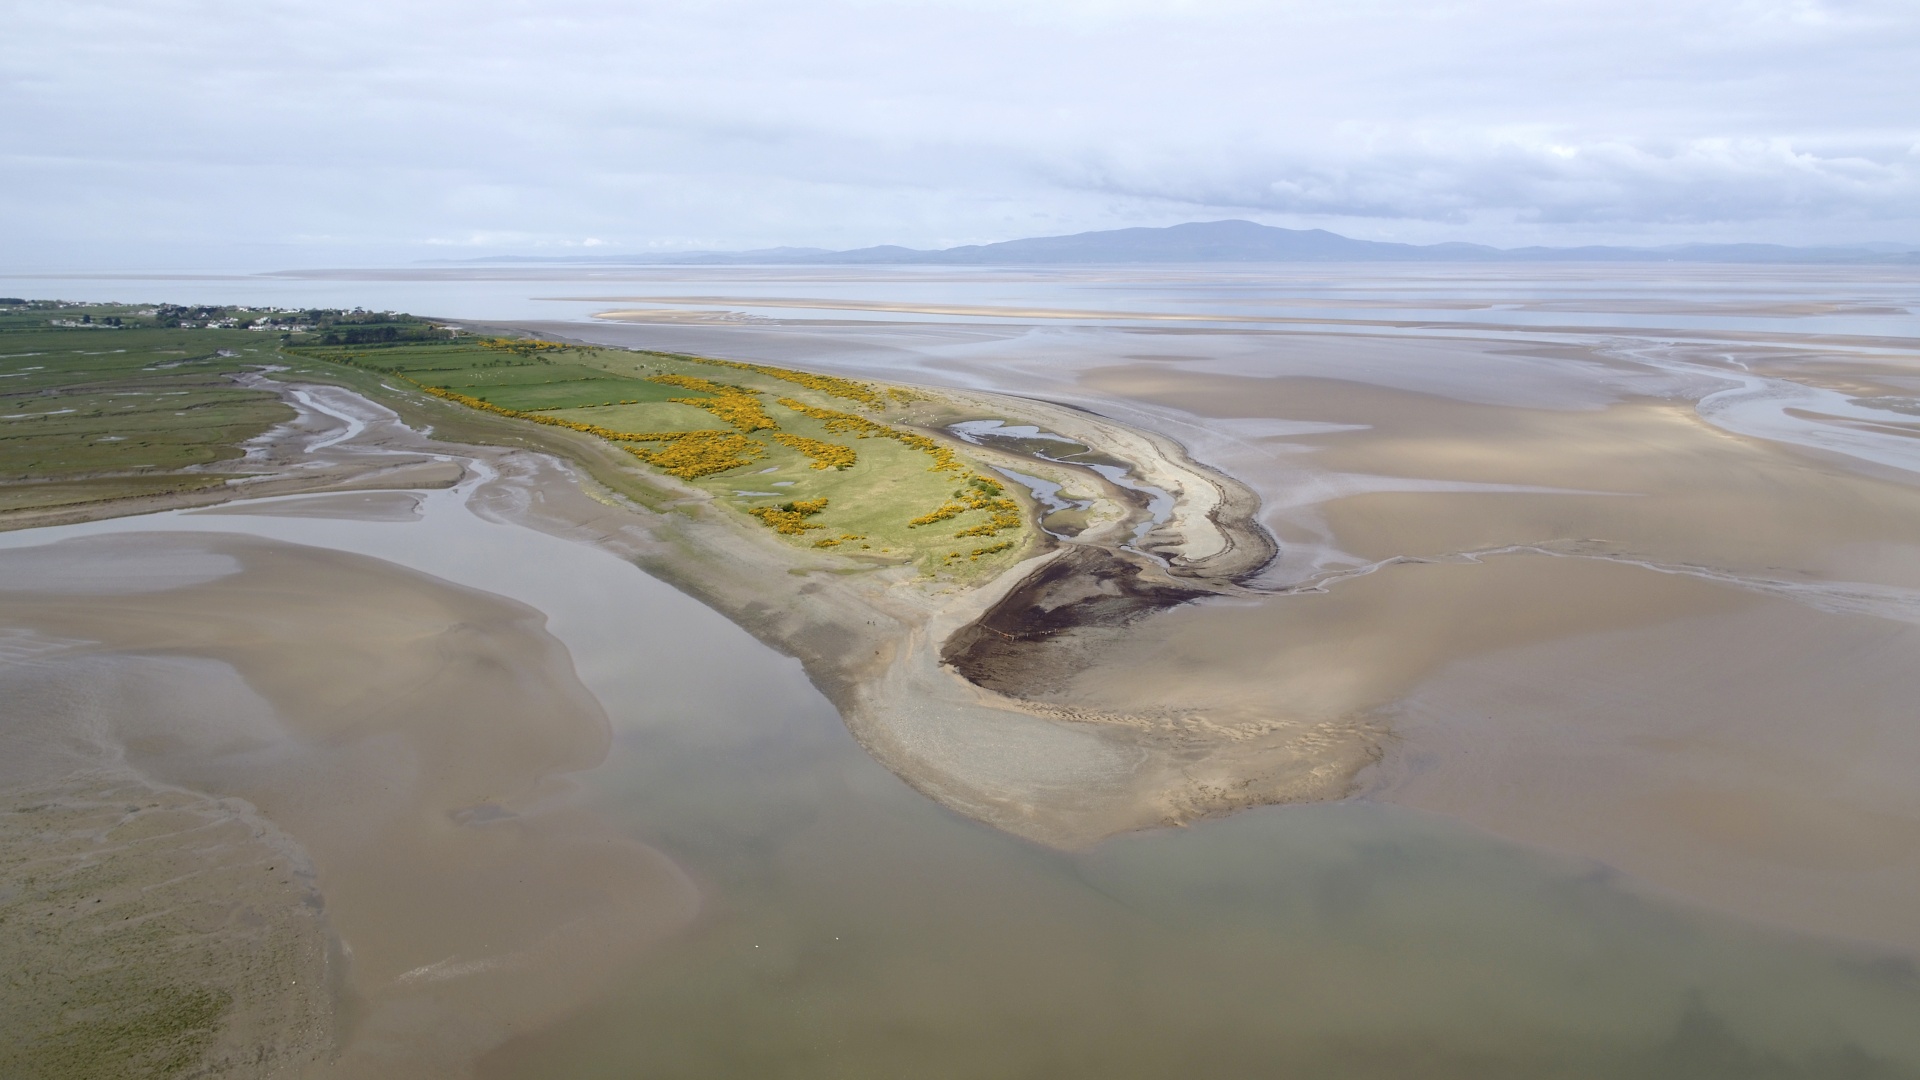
{"x": 1679, "y": 754}
{"x": 1451, "y": 501}
{"x": 1606, "y": 598}
{"x": 1643, "y": 477}
{"x": 149, "y": 930}
{"x": 1675, "y": 648}
{"x": 410, "y": 736}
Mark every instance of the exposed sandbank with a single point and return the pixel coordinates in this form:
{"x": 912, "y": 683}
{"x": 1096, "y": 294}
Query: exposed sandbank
{"x": 1696, "y": 663}
{"x": 421, "y": 835}
{"x": 1502, "y": 493}
{"x": 1410, "y": 450}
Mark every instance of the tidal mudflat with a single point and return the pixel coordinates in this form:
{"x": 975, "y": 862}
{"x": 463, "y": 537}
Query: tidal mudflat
{"x": 1617, "y": 561}
{"x": 727, "y": 882}
{"x": 1498, "y": 564}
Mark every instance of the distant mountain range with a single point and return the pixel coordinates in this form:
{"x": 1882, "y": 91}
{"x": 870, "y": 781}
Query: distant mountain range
{"x": 1233, "y": 242}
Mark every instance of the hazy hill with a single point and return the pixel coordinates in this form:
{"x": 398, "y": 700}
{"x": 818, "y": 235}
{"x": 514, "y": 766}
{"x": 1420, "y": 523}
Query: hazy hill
{"x": 1243, "y": 242}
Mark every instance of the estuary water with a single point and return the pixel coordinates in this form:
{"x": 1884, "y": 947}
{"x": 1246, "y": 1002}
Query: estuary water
{"x": 1505, "y": 922}
{"x": 847, "y": 927}
{"x": 1863, "y": 301}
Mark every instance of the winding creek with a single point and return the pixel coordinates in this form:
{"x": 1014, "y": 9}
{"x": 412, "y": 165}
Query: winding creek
{"x": 1031, "y": 441}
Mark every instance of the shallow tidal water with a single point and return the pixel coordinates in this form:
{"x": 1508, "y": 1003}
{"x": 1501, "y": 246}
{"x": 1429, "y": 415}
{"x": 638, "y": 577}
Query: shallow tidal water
{"x": 851, "y": 928}
{"x": 859, "y": 931}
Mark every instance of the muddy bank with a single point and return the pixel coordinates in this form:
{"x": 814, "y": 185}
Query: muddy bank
{"x": 1035, "y": 637}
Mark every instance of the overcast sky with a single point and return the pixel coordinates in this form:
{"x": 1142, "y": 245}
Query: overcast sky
{"x": 330, "y": 132}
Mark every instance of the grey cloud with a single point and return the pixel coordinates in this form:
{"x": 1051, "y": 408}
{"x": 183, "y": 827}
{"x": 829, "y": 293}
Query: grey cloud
{"x": 1708, "y": 181}
{"x": 361, "y": 129}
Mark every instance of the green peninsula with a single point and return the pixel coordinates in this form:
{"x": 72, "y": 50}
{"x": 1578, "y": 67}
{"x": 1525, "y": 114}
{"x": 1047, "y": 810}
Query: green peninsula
{"x": 104, "y": 403}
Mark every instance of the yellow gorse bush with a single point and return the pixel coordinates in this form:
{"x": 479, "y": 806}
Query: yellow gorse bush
{"x": 690, "y": 455}
{"x": 944, "y": 459}
{"x": 1005, "y": 515}
{"x": 952, "y": 508}
{"x": 825, "y": 455}
{"x": 695, "y": 382}
{"x": 979, "y": 494}
{"x": 791, "y": 518}
{"x": 864, "y": 393}
{"x": 741, "y": 410}
{"x": 521, "y": 347}
{"x": 734, "y": 404}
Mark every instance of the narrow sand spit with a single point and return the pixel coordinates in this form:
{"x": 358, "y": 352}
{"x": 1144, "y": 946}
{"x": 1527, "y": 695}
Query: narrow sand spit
{"x": 877, "y": 641}
{"x": 402, "y": 744}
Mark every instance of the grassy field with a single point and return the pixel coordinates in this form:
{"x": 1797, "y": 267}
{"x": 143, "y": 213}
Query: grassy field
{"x": 107, "y": 402}
{"x": 90, "y": 414}
{"x": 770, "y": 442}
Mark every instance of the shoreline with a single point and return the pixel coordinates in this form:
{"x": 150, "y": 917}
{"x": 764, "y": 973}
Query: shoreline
{"x": 1708, "y": 719}
{"x": 875, "y": 642}
{"x": 879, "y": 642}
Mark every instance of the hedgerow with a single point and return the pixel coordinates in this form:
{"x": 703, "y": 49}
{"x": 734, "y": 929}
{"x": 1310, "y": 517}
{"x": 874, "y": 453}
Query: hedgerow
{"x": 521, "y": 346}
{"x": 944, "y": 459}
{"x": 734, "y": 404}
{"x": 864, "y": 393}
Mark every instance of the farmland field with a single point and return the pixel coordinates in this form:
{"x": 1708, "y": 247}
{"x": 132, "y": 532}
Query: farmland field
{"x": 109, "y": 402}
{"x": 90, "y": 415}
{"x": 757, "y": 438}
